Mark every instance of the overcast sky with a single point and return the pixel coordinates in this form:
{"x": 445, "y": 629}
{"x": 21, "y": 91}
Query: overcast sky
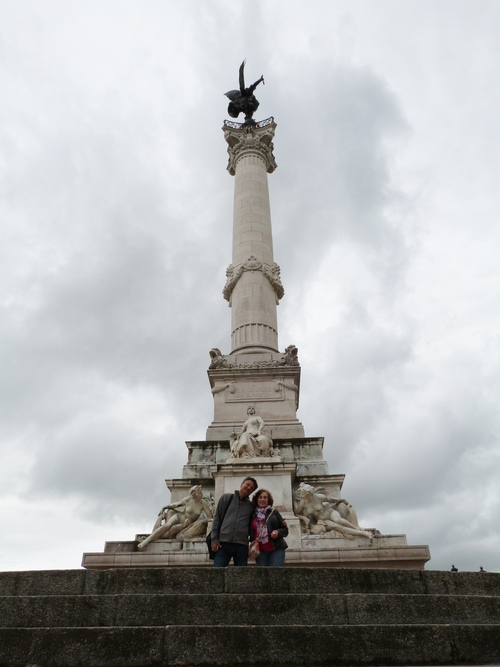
{"x": 116, "y": 214}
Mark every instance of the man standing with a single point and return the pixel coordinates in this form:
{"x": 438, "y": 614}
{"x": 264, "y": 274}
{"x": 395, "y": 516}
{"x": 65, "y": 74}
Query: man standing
{"x": 231, "y": 525}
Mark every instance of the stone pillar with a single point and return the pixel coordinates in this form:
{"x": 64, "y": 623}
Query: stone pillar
{"x": 253, "y": 286}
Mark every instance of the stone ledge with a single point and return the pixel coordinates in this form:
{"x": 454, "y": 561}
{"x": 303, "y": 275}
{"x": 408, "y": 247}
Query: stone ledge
{"x": 248, "y": 580}
{"x": 402, "y": 556}
{"x": 303, "y": 609}
{"x": 242, "y": 645}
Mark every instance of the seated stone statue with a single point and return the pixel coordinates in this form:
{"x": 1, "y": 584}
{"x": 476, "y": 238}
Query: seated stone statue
{"x": 319, "y": 514}
{"x": 250, "y": 441}
{"x": 178, "y": 517}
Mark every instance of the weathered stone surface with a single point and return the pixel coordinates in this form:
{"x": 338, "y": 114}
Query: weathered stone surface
{"x": 57, "y": 611}
{"x": 369, "y": 581}
{"x": 241, "y": 645}
{"x": 295, "y": 609}
{"x": 336, "y": 645}
{"x": 106, "y": 647}
{"x": 206, "y": 616}
{"x": 154, "y": 581}
{"x": 462, "y": 583}
{"x": 44, "y": 582}
{"x": 435, "y": 609}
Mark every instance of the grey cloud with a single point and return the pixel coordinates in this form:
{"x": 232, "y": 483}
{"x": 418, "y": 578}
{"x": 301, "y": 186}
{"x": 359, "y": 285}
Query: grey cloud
{"x": 343, "y": 190}
{"x": 113, "y": 470}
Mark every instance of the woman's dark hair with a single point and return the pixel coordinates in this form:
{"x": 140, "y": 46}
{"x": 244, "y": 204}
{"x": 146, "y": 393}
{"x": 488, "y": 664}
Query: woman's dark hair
{"x": 259, "y": 493}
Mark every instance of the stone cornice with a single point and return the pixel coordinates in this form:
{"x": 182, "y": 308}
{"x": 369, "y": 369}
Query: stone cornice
{"x": 250, "y": 139}
{"x": 271, "y": 271}
{"x": 219, "y": 361}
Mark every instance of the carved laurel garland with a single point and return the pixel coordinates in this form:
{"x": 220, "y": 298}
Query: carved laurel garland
{"x": 271, "y": 271}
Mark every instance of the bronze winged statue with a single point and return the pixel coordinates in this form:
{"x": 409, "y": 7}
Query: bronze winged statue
{"x": 243, "y": 100}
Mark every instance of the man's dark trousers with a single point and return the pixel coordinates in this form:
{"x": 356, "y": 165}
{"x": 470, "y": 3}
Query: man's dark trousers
{"x": 228, "y": 550}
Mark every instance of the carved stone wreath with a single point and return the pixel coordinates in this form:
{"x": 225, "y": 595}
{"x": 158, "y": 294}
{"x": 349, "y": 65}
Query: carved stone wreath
{"x": 271, "y": 271}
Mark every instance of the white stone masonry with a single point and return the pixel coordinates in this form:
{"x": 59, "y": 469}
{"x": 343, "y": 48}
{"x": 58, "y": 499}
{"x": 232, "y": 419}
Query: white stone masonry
{"x": 254, "y": 287}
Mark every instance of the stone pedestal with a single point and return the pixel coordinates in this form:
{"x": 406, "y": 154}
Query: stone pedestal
{"x": 296, "y": 461}
{"x": 269, "y": 382}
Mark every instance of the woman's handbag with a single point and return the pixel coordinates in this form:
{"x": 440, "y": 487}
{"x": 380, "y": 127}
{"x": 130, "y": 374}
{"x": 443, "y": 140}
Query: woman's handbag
{"x": 253, "y": 549}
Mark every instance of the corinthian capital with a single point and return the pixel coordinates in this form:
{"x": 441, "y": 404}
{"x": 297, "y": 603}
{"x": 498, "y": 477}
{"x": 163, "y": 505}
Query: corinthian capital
{"x": 250, "y": 139}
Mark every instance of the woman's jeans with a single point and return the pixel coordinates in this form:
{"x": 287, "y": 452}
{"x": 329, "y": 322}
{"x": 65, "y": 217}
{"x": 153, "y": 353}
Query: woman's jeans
{"x": 271, "y": 558}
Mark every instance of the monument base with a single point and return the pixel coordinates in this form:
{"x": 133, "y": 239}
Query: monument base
{"x": 323, "y": 527}
{"x": 385, "y": 551}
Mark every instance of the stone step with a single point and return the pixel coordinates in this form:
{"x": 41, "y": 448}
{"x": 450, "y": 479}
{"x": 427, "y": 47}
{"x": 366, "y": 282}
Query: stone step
{"x": 268, "y": 617}
{"x": 247, "y": 645}
{"x": 247, "y": 580}
{"x": 250, "y": 609}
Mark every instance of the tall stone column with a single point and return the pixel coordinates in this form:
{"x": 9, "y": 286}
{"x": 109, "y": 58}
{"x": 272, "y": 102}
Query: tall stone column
{"x": 255, "y": 374}
{"x": 253, "y": 286}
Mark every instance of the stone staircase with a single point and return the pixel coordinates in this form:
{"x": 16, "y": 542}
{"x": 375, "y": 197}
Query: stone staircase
{"x": 249, "y": 616}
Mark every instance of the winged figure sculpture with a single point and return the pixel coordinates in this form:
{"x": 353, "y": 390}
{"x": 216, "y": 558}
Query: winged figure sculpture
{"x": 243, "y": 100}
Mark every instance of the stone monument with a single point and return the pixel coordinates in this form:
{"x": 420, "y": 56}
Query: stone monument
{"x": 255, "y": 430}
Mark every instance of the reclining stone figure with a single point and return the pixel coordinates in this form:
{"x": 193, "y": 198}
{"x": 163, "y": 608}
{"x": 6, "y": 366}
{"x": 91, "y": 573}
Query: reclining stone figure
{"x": 183, "y": 519}
{"x": 319, "y": 514}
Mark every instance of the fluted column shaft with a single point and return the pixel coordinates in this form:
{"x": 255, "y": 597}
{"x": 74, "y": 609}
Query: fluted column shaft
{"x": 253, "y": 286}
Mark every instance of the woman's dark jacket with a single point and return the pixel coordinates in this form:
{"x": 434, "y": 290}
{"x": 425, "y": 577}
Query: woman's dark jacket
{"x": 274, "y": 521}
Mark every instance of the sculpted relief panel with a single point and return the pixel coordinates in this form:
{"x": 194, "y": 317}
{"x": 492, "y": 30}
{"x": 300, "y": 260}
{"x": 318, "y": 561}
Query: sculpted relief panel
{"x": 247, "y": 391}
{"x": 251, "y": 391}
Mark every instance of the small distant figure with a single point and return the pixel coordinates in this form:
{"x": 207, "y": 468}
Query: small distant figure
{"x": 454, "y": 569}
{"x": 243, "y": 100}
{"x": 481, "y": 569}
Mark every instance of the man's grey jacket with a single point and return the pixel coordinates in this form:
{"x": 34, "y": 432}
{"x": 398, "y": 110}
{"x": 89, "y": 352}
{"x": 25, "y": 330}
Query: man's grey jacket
{"x": 235, "y": 528}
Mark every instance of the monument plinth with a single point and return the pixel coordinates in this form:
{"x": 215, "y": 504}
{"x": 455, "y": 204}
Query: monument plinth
{"x": 255, "y": 430}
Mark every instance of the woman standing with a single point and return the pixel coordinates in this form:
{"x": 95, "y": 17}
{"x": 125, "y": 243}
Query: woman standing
{"x": 269, "y": 528}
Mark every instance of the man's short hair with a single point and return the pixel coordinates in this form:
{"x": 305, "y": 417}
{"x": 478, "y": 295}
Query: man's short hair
{"x": 254, "y": 481}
